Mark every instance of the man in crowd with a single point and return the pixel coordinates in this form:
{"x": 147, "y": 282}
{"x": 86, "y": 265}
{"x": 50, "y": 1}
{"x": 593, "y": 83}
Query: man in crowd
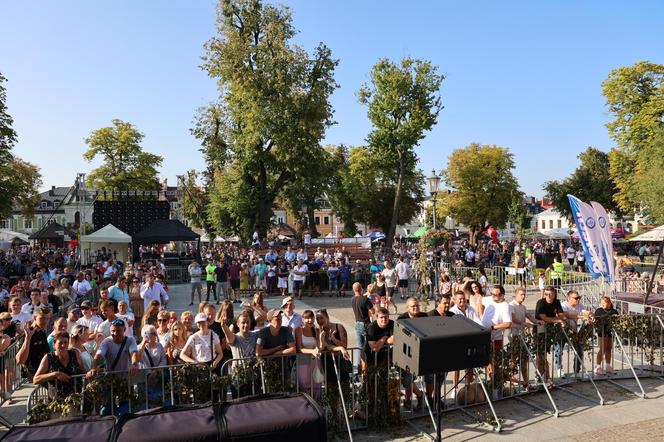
{"x": 35, "y": 344}
{"x": 153, "y": 291}
{"x": 291, "y": 318}
{"x": 497, "y": 315}
{"x": 550, "y": 311}
{"x": 443, "y": 307}
{"x": 119, "y": 352}
{"x": 275, "y": 339}
{"x": 221, "y": 273}
{"x": 234, "y": 277}
{"x": 412, "y": 312}
{"x": 109, "y": 310}
{"x": 363, "y": 311}
{"x": 461, "y": 307}
{"x": 35, "y": 302}
{"x": 210, "y": 280}
{"x": 119, "y": 292}
{"x": 81, "y": 287}
{"x": 195, "y": 274}
{"x": 89, "y": 319}
{"x": 19, "y": 317}
{"x": 573, "y": 311}
{"x": 299, "y": 275}
{"x": 402, "y": 274}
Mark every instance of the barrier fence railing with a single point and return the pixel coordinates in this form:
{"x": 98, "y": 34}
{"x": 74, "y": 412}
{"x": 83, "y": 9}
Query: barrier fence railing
{"x": 358, "y": 394}
{"x": 10, "y": 371}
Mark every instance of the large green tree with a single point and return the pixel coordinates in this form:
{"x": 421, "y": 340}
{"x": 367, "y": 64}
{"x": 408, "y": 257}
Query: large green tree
{"x": 403, "y": 103}
{"x": 194, "y": 201}
{"x": 125, "y": 166}
{"x": 363, "y": 189}
{"x": 274, "y": 105}
{"x": 590, "y": 181}
{"x": 483, "y": 186}
{"x": 19, "y": 180}
{"x": 635, "y": 98}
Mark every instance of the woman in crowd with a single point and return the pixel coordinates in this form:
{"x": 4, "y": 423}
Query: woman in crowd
{"x": 187, "y": 319}
{"x": 150, "y": 315}
{"x": 474, "y": 295}
{"x": 5, "y": 342}
{"x": 63, "y": 291}
{"x": 604, "y": 335}
{"x": 260, "y": 311}
{"x": 307, "y": 340}
{"x": 124, "y": 313}
{"x": 333, "y": 338}
{"x": 78, "y": 342}
{"x": 151, "y": 351}
{"x": 162, "y": 328}
{"x": 136, "y": 304}
{"x": 57, "y": 368}
{"x": 204, "y": 346}
{"x": 175, "y": 345}
{"x": 244, "y": 279}
{"x": 60, "y": 325}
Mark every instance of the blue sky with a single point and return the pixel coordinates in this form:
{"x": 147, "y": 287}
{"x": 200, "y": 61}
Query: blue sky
{"x": 525, "y": 75}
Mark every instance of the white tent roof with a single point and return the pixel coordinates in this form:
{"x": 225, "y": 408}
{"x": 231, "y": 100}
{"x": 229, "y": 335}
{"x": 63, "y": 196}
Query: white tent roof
{"x": 8, "y": 235}
{"x": 656, "y": 234}
{"x": 108, "y": 233}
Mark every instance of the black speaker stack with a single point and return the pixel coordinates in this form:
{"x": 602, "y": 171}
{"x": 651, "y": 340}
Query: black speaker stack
{"x": 130, "y": 216}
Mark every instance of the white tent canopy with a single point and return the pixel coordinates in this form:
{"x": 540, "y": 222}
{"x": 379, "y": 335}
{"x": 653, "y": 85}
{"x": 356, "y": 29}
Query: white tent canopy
{"x": 656, "y": 234}
{"x": 114, "y": 240}
{"x": 9, "y": 235}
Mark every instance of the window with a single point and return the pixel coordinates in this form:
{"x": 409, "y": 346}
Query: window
{"x": 550, "y": 224}
{"x": 317, "y": 219}
{"x": 280, "y": 220}
{"x": 44, "y": 204}
{"x": 326, "y": 220}
{"x": 27, "y": 224}
{"x": 51, "y": 221}
{"x": 560, "y": 224}
{"x": 543, "y": 225}
{"x": 4, "y": 223}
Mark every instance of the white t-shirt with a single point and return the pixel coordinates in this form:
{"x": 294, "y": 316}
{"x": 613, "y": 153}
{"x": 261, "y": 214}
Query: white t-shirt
{"x": 91, "y": 323}
{"x": 104, "y": 328}
{"x": 495, "y": 313}
{"x": 580, "y": 257}
{"x": 571, "y": 253}
{"x": 470, "y": 313}
{"x": 402, "y": 270}
{"x": 390, "y": 277}
{"x": 575, "y": 310}
{"x": 23, "y": 318}
{"x": 303, "y": 269}
{"x": 200, "y": 346}
{"x": 81, "y": 288}
{"x": 519, "y": 312}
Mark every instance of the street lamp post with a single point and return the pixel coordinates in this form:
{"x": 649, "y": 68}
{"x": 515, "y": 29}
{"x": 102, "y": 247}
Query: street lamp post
{"x": 434, "y": 182}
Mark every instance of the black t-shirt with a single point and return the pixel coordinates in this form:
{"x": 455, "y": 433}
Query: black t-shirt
{"x": 361, "y": 306}
{"x": 222, "y": 274}
{"x": 549, "y": 310}
{"x": 434, "y": 312}
{"x": 38, "y": 347}
{"x": 216, "y": 327}
{"x": 374, "y": 334}
{"x": 604, "y": 326}
{"x": 405, "y": 315}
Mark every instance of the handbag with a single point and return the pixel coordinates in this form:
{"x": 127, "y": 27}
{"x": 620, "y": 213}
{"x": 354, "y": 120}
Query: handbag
{"x": 317, "y": 375}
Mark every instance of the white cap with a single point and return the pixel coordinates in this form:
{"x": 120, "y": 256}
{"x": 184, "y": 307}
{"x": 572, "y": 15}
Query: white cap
{"x": 201, "y": 317}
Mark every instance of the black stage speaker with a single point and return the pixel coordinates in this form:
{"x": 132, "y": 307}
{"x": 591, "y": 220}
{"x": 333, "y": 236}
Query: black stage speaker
{"x": 437, "y": 344}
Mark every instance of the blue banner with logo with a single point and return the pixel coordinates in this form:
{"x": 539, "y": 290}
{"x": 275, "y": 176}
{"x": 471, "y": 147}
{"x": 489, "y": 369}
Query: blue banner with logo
{"x": 589, "y": 231}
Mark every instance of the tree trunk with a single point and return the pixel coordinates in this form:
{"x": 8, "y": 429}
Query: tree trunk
{"x": 262, "y": 223}
{"x": 313, "y": 231}
{"x": 395, "y": 208}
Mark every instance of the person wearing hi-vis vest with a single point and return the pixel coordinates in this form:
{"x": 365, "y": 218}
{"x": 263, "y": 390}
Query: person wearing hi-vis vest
{"x": 557, "y": 269}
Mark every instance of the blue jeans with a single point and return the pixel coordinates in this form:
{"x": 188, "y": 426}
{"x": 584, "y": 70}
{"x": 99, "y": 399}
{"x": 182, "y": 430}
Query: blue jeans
{"x": 361, "y": 332}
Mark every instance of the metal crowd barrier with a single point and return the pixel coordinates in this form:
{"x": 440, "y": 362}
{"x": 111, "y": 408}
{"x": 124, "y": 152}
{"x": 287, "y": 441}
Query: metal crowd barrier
{"x": 10, "y": 376}
{"x": 358, "y": 394}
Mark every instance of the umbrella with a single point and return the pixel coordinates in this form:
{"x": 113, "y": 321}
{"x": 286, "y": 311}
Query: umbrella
{"x": 421, "y": 231}
{"x": 656, "y": 234}
{"x": 376, "y": 234}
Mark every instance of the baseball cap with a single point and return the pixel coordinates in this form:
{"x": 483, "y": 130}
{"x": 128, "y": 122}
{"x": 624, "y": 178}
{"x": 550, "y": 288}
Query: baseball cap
{"x": 86, "y": 304}
{"x": 286, "y": 300}
{"x": 272, "y": 313}
{"x": 202, "y": 317}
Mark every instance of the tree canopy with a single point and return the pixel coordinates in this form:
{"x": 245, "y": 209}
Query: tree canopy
{"x": 125, "y": 166}
{"x": 403, "y": 103}
{"x": 19, "y": 179}
{"x": 635, "y": 98}
{"x": 590, "y": 181}
{"x": 272, "y": 111}
{"x": 482, "y": 183}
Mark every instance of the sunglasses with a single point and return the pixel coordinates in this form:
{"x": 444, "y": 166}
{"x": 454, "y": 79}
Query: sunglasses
{"x": 576, "y": 297}
{"x": 162, "y": 320}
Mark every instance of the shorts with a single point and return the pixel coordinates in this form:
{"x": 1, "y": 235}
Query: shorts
{"x": 343, "y": 281}
{"x": 297, "y": 285}
{"x": 235, "y": 284}
{"x": 403, "y": 283}
{"x": 333, "y": 283}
